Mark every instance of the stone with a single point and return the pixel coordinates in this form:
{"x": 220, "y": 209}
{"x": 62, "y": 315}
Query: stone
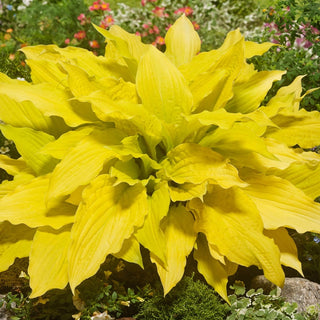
{"x": 4, "y": 314}
{"x": 302, "y": 291}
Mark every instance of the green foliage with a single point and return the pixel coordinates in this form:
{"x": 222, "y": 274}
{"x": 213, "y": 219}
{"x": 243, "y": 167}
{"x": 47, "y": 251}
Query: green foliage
{"x": 294, "y": 25}
{"x": 189, "y": 300}
{"x": 253, "y": 304}
{"x": 309, "y": 254}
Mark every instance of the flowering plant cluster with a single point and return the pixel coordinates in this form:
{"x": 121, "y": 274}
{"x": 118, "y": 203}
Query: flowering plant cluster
{"x": 295, "y": 26}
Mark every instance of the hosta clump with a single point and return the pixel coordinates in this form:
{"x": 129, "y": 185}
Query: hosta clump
{"x": 171, "y": 151}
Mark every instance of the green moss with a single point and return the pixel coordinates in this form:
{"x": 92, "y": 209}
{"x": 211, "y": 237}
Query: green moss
{"x": 189, "y": 300}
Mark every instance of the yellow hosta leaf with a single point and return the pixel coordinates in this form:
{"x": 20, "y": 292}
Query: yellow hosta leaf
{"x": 287, "y": 98}
{"x": 25, "y": 114}
{"x": 107, "y": 216}
{"x": 207, "y": 90}
{"x": 187, "y": 191}
{"x": 196, "y": 164}
{"x": 128, "y": 45}
{"x": 48, "y": 266}
{"x": 15, "y": 242}
{"x": 130, "y": 251}
{"x": 301, "y": 128}
{"x": 83, "y": 162}
{"x": 256, "y": 49}
{"x": 182, "y": 41}
{"x": 27, "y": 204}
{"x": 162, "y": 88}
{"x": 9, "y": 186}
{"x": 29, "y": 142}
{"x": 47, "y": 71}
{"x": 12, "y": 166}
{"x": 281, "y": 204}
{"x": 237, "y": 140}
{"x": 230, "y": 57}
{"x": 231, "y": 222}
{"x": 180, "y": 239}
{"x": 49, "y": 99}
{"x": 215, "y": 273}
{"x": 151, "y": 235}
{"x": 304, "y": 176}
{"x": 85, "y": 59}
{"x": 248, "y": 95}
{"x": 60, "y": 148}
{"x": 287, "y": 246}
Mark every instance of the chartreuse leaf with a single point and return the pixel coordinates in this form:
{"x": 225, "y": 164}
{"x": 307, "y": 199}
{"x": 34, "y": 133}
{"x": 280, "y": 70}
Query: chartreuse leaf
{"x": 231, "y": 222}
{"x": 180, "y": 239}
{"x": 151, "y": 235}
{"x": 60, "y": 148}
{"x": 48, "y": 260}
{"x": 248, "y": 95}
{"x": 83, "y": 162}
{"x": 129, "y": 46}
{"x": 15, "y": 243}
{"x": 50, "y": 100}
{"x": 240, "y": 135}
{"x": 12, "y": 166}
{"x": 29, "y": 143}
{"x": 215, "y": 273}
{"x": 25, "y": 114}
{"x": 187, "y": 191}
{"x": 182, "y": 41}
{"x": 9, "y": 186}
{"x": 287, "y": 247}
{"x": 107, "y": 216}
{"x": 256, "y": 49}
{"x": 162, "y": 88}
{"x": 94, "y": 65}
{"x": 27, "y": 204}
{"x": 192, "y": 163}
{"x": 47, "y": 71}
{"x": 130, "y": 251}
{"x": 216, "y": 71}
{"x": 304, "y": 176}
{"x": 301, "y": 128}
{"x": 281, "y": 204}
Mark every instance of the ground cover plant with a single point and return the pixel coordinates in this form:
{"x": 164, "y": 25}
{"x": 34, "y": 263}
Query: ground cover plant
{"x": 137, "y": 147}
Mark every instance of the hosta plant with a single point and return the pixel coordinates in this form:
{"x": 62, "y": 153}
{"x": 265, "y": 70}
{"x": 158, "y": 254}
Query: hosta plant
{"x": 172, "y": 151}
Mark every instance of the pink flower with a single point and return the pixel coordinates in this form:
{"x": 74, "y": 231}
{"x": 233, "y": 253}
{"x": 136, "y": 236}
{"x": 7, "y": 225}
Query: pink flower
{"x": 159, "y": 12}
{"x": 81, "y": 17}
{"x": 80, "y": 35}
{"x": 186, "y": 10}
{"x": 159, "y": 41}
{"x": 94, "y": 44}
{"x": 143, "y": 2}
{"x": 107, "y": 22}
{"x": 156, "y": 30}
{"x": 146, "y": 26}
{"x": 67, "y": 41}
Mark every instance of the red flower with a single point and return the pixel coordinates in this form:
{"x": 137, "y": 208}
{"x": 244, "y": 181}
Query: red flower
{"x": 80, "y": 35}
{"x": 195, "y": 25}
{"x": 95, "y": 6}
{"x": 67, "y": 41}
{"x": 156, "y": 30}
{"x": 105, "y": 6}
{"x": 94, "y": 44}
